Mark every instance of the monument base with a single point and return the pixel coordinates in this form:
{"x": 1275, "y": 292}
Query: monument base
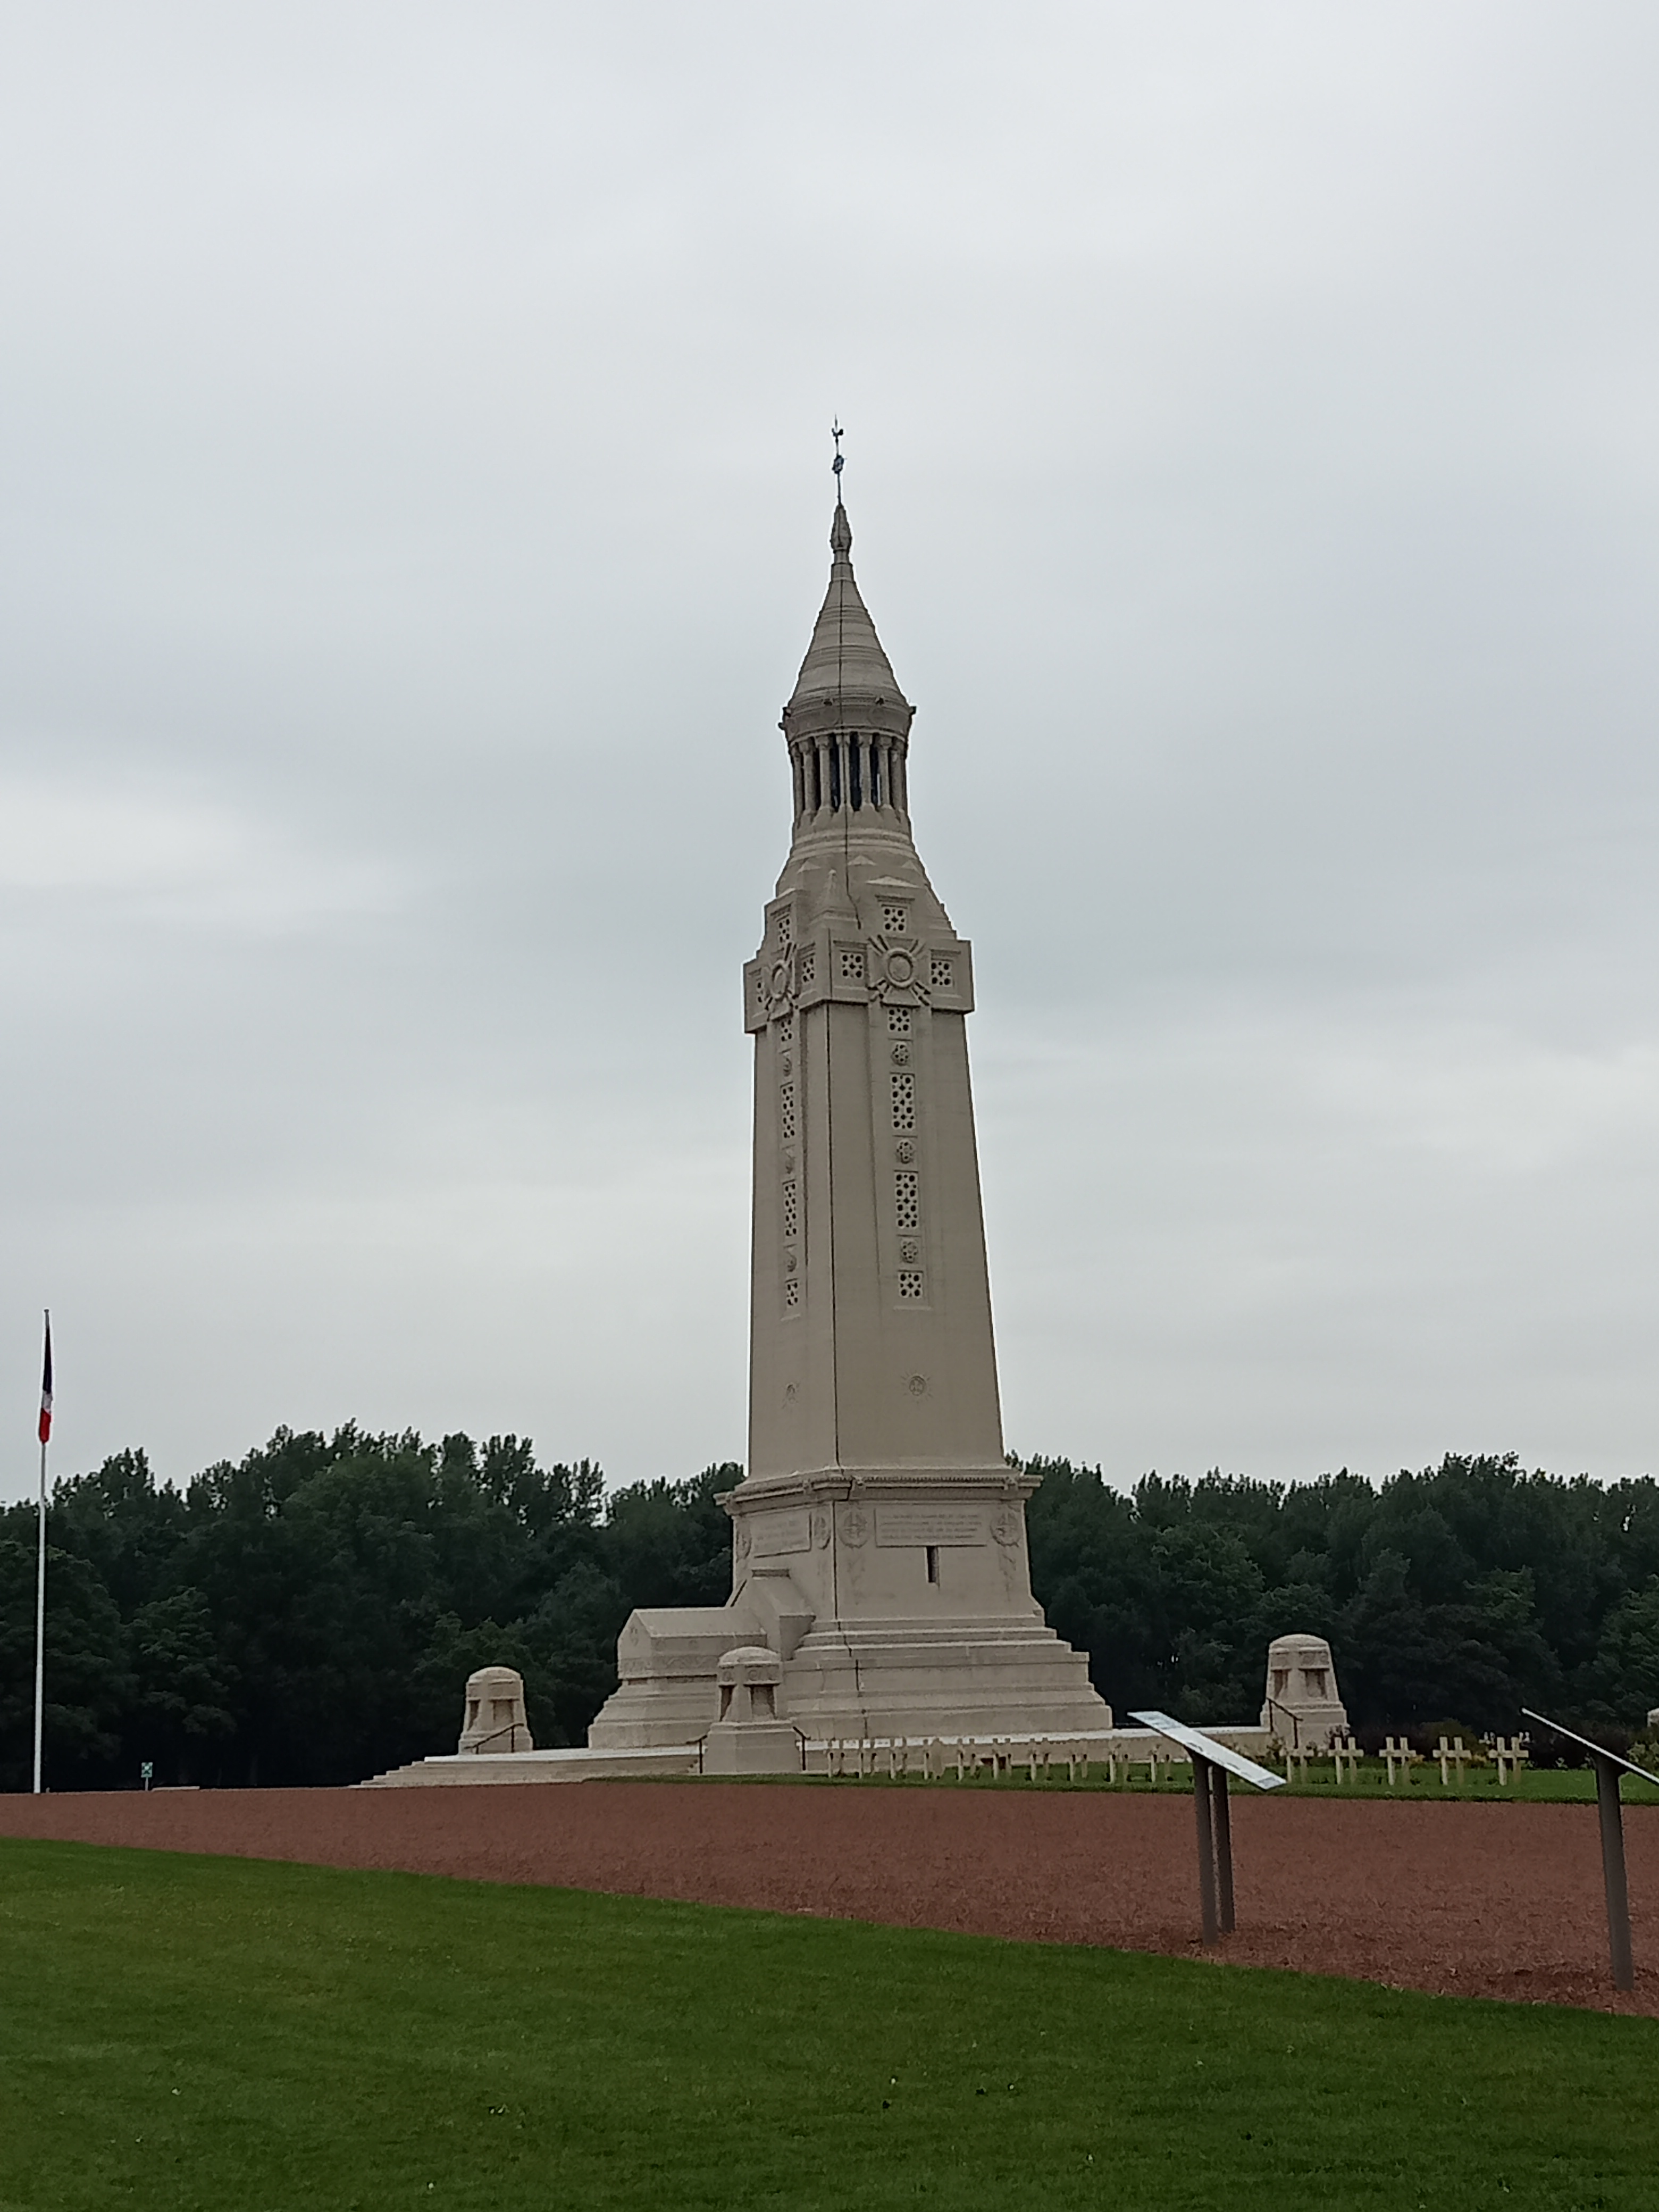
{"x": 867, "y": 1678}
{"x": 930, "y": 1678}
{"x": 466, "y": 1770}
{"x": 757, "y": 1748}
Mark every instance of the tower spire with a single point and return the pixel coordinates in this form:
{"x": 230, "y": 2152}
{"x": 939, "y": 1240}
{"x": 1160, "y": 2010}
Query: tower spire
{"x": 846, "y": 672}
{"x": 848, "y": 724}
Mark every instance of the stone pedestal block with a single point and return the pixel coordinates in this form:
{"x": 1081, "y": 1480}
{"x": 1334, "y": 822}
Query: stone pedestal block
{"x": 1302, "y": 1707}
{"x": 494, "y": 1716}
{"x": 750, "y": 1736}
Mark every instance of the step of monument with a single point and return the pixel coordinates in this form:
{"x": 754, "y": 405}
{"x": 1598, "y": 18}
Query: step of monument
{"x": 1000, "y": 1632}
{"x": 574, "y": 1763}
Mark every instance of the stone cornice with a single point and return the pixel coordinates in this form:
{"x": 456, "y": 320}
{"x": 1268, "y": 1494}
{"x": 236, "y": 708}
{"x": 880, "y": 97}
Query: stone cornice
{"x": 762, "y": 1492}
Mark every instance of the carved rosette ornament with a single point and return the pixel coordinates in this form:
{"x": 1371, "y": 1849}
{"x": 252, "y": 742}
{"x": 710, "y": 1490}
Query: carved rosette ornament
{"x": 897, "y": 970}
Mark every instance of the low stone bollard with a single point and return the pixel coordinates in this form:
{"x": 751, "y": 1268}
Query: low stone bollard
{"x": 494, "y": 1720}
{"x": 751, "y": 1735}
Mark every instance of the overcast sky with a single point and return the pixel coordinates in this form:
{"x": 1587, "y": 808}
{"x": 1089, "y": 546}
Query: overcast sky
{"x": 413, "y": 437}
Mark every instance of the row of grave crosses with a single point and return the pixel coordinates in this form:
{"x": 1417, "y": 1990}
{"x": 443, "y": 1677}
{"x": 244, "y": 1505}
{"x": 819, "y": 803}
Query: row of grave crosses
{"x": 1399, "y": 1759}
{"x": 1508, "y": 1757}
{"x": 935, "y": 1757}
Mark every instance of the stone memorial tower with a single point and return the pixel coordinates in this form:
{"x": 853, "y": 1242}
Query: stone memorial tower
{"x": 879, "y": 1538}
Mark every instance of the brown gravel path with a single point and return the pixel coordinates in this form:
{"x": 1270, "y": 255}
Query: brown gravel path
{"x": 1488, "y": 1900}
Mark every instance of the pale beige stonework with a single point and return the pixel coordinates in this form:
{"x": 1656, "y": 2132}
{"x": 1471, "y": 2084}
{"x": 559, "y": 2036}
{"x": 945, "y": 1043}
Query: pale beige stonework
{"x": 878, "y": 1539}
{"x": 493, "y": 1717}
{"x": 1302, "y": 1707}
{"x": 752, "y": 1736}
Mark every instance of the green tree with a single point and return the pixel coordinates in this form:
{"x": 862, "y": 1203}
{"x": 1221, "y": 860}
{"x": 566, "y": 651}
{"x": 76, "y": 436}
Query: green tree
{"x": 88, "y": 1685}
{"x": 183, "y": 1689}
{"x": 1627, "y": 1659}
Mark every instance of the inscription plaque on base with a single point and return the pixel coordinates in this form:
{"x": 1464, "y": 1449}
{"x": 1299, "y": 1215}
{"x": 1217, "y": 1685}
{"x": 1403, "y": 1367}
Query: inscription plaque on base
{"x": 779, "y": 1533}
{"x": 930, "y": 1524}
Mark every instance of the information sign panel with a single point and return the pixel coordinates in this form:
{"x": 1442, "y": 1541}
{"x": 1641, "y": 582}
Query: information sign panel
{"x": 1219, "y": 1754}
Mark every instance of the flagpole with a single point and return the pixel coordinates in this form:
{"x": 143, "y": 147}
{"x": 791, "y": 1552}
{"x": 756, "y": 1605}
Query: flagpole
{"x": 40, "y": 1567}
{"x": 41, "y": 1625}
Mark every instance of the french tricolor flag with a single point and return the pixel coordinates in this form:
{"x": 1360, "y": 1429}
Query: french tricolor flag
{"x": 45, "y": 1387}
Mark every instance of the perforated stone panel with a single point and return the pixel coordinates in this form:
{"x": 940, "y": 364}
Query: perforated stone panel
{"x": 904, "y": 1102}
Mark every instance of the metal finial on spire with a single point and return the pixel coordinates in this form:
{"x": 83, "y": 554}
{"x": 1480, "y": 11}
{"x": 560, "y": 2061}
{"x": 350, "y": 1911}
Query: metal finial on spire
{"x": 839, "y": 462}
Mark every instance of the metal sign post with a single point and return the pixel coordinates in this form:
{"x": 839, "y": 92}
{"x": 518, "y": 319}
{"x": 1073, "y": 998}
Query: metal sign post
{"x": 1204, "y": 1803}
{"x": 1213, "y": 1763}
{"x": 1610, "y": 1813}
{"x": 1221, "y": 1807}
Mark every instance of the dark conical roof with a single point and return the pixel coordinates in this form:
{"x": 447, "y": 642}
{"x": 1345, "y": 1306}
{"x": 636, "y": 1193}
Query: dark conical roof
{"x": 845, "y": 669}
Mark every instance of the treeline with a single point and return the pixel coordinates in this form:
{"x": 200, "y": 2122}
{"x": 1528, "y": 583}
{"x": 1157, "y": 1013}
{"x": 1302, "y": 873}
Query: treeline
{"x": 1458, "y": 1594}
{"x": 311, "y": 1614}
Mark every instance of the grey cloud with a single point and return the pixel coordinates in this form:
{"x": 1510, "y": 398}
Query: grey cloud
{"x": 413, "y": 427}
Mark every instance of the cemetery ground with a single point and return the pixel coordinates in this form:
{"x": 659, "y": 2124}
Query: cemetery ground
{"x": 190, "y": 2032}
{"x": 1418, "y": 1889}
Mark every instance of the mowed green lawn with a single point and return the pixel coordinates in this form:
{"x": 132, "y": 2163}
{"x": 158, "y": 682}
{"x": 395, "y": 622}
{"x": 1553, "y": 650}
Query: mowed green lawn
{"x": 180, "y": 2033}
